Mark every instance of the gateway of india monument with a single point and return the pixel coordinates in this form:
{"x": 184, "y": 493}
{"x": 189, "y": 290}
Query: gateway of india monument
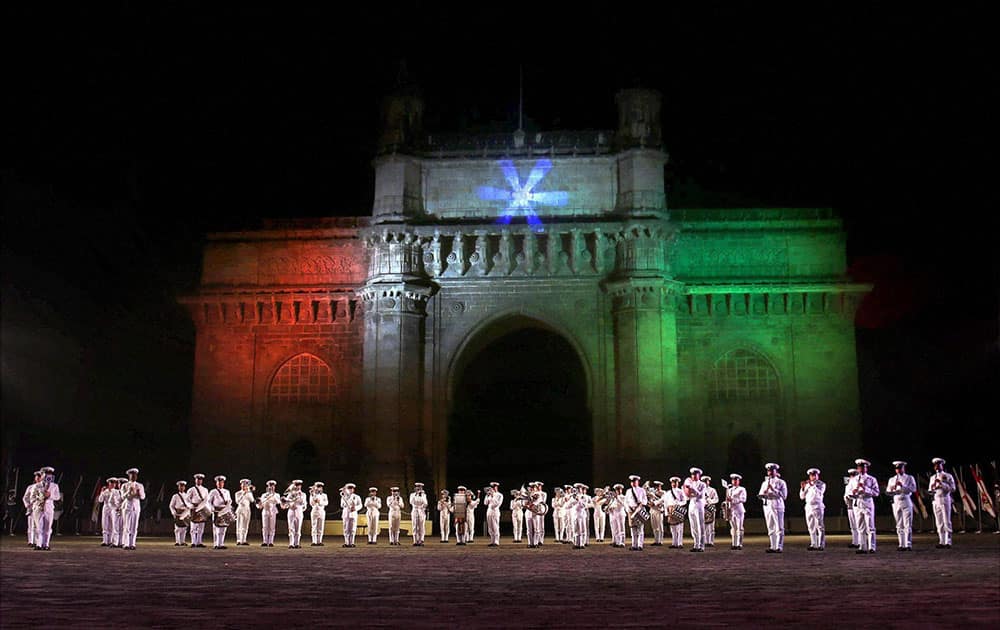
{"x": 335, "y": 348}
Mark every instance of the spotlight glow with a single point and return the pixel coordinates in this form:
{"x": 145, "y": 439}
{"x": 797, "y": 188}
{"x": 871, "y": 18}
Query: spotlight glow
{"x": 521, "y": 200}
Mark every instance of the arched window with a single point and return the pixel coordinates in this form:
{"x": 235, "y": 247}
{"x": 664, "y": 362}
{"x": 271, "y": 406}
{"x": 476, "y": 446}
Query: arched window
{"x": 303, "y": 379}
{"x": 744, "y": 375}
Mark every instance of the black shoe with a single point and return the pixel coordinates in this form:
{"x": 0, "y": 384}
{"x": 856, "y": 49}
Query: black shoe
{"x": 860, "y": 551}
{"x": 710, "y": 545}
{"x": 871, "y": 551}
{"x": 769, "y": 550}
{"x": 810, "y": 548}
{"x": 739, "y": 547}
{"x": 321, "y": 544}
{"x": 102, "y": 544}
{"x": 820, "y": 548}
{"x": 779, "y": 551}
{"x": 270, "y": 544}
{"x": 948, "y": 546}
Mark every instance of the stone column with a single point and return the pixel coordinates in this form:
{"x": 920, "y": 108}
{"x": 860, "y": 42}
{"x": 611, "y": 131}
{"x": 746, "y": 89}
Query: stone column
{"x": 395, "y": 298}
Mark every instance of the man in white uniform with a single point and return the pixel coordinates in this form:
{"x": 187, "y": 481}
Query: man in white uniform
{"x": 268, "y": 503}
{"x": 774, "y": 491}
{"x": 588, "y": 504}
{"x": 941, "y": 486}
{"x": 558, "y": 513}
{"x": 418, "y": 513}
{"x": 43, "y": 498}
{"x": 350, "y": 505}
{"x": 636, "y": 498}
{"x": 736, "y": 495}
{"x": 244, "y": 503}
{"x": 133, "y": 494}
{"x": 711, "y": 503}
{"x": 616, "y": 513}
{"x": 445, "y": 509}
{"x": 394, "y": 504}
{"x": 181, "y": 512}
{"x": 675, "y": 498}
{"x": 849, "y": 502}
{"x": 373, "y": 506}
{"x": 197, "y": 496}
{"x": 517, "y": 514}
{"x": 494, "y": 500}
{"x": 657, "y": 502}
{"x": 812, "y": 492}
{"x": 221, "y": 502}
{"x": 295, "y": 502}
{"x": 600, "y": 516}
{"x": 900, "y": 487}
{"x": 317, "y": 514}
{"x": 471, "y": 516}
{"x": 107, "y": 516}
{"x": 863, "y": 489}
{"x": 29, "y": 511}
{"x": 694, "y": 492}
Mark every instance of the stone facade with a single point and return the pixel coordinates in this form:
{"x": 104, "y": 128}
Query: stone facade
{"x": 716, "y": 337}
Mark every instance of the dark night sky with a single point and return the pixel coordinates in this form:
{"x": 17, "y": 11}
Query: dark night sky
{"x": 134, "y": 130}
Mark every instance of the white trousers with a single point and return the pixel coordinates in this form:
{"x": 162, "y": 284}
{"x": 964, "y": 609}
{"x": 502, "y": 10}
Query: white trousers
{"x": 493, "y": 526}
{"x": 557, "y": 524}
{"x": 294, "y": 527}
{"x": 814, "y": 523}
{"x": 242, "y": 525}
{"x": 395, "y": 517}
{"x": 418, "y": 517}
{"x": 131, "y": 527}
{"x": 107, "y": 527}
{"x": 696, "y": 520}
{"x": 600, "y": 519}
{"x": 269, "y": 523}
{"x": 580, "y": 528}
{"x": 775, "y": 519}
{"x": 677, "y": 534}
{"x": 180, "y": 534}
{"x": 853, "y": 522}
{"x": 372, "y": 526}
{"x": 470, "y": 519}
{"x": 902, "y": 509}
{"x": 656, "y": 521}
{"x": 444, "y": 520}
{"x": 864, "y": 514}
{"x": 43, "y": 526}
{"x": 517, "y": 518}
{"x": 197, "y": 533}
{"x": 350, "y": 529}
{"x": 529, "y": 527}
{"x": 942, "y": 519}
{"x": 219, "y": 536}
{"x": 318, "y": 520}
{"x": 736, "y": 518}
{"x": 710, "y": 532}
{"x": 539, "y": 520}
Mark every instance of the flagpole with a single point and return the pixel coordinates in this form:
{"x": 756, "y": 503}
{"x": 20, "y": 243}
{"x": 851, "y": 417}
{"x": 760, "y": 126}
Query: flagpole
{"x": 980, "y": 497}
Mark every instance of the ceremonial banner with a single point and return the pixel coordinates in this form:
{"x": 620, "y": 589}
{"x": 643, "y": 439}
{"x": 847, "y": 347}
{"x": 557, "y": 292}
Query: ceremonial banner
{"x": 967, "y": 502}
{"x": 984, "y": 496}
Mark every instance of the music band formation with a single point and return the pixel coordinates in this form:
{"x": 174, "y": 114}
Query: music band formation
{"x": 692, "y": 499}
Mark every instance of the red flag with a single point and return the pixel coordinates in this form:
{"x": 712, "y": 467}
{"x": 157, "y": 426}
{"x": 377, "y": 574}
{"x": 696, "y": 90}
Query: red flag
{"x": 984, "y": 496}
{"x": 967, "y": 502}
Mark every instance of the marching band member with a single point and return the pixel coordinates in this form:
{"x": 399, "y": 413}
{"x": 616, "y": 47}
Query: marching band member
{"x": 636, "y": 498}
{"x": 350, "y": 505}
{"x": 395, "y": 505}
{"x": 196, "y": 497}
{"x": 418, "y": 513}
{"x": 294, "y": 501}
{"x": 694, "y": 491}
{"x": 538, "y": 519}
{"x": 657, "y": 501}
{"x": 900, "y": 487}
{"x": 445, "y": 508}
{"x": 494, "y": 500}
{"x": 181, "y": 512}
{"x": 579, "y": 507}
{"x": 29, "y": 512}
{"x": 736, "y": 495}
{"x": 461, "y": 521}
{"x": 863, "y": 489}
{"x": 471, "y": 516}
{"x": 244, "y": 499}
{"x": 774, "y": 491}
{"x": 558, "y": 513}
{"x": 372, "y": 506}
{"x": 44, "y": 495}
{"x": 317, "y": 514}
{"x": 220, "y": 501}
{"x": 133, "y": 493}
{"x": 616, "y": 511}
{"x": 849, "y": 501}
{"x": 600, "y": 517}
{"x": 569, "y": 523}
{"x": 107, "y": 516}
{"x": 517, "y": 514}
{"x": 268, "y": 503}
{"x": 812, "y": 492}
{"x": 674, "y": 499}
{"x": 529, "y": 520}
{"x": 711, "y": 499}
{"x": 942, "y": 485}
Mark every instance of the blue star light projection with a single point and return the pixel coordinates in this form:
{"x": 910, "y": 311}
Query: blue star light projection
{"x": 521, "y": 200}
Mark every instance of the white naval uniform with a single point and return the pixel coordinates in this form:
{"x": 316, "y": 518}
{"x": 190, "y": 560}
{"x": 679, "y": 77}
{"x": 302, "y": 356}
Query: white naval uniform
{"x": 634, "y": 497}
{"x": 851, "y": 520}
{"x": 616, "y": 512}
{"x": 268, "y": 504}
{"x": 812, "y": 494}
{"x": 863, "y": 489}
{"x": 470, "y": 519}
{"x": 177, "y": 505}
{"x": 350, "y": 505}
{"x": 418, "y": 514}
{"x": 578, "y": 511}
{"x": 558, "y": 514}
{"x": 711, "y": 498}
{"x": 244, "y": 499}
{"x": 675, "y": 497}
{"x": 600, "y": 519}
{"x": 517, "y": 518}
{"x": 539, "y": 522}
{"x": 445, "y": 508}
{"x": 695, "y": 491}
{"x": 317, "y": 516}
{"x": 296, "y": 506}
{"x": 900, "y": 487}
{"x": 28, "y": 512}
{"x": 656, "y": 509}
{"x": 395, "y": 505}
{"x": 737, "y": 497}
{"x": 108, "y": 509}
{"x": 942, "y": 485}
{"x": 588, "y": 502}
{"x": 133, "y": 493}
{"x": 774, "y": 491}
{"x": 372, "y": 507}
{"x": 42, "y": 513}
{"x": 493, "y": 503}
{"x": 219, "y": 498}
{"x": 196, "y": 495}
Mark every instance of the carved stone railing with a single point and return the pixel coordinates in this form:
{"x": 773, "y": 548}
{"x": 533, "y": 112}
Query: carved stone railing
{"x": 275, "y": 307}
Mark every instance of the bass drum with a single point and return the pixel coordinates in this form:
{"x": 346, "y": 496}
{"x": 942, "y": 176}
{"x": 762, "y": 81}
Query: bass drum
{"x": 677, "y": 514}
{"x": 224, "y": 518}
{"x": 710, "y": 514}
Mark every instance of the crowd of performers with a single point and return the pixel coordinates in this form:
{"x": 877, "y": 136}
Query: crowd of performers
{"x": 627, "y": 509}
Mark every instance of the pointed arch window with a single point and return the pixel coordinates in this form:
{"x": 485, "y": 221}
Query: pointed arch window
{"x": 303, "y": 379}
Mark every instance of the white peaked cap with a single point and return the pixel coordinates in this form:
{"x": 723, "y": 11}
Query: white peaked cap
{"x": 694, "y": 471}
{"x": 319, "y": 484}
{"x": 706, "y": 478}
{"x": 462, "y": 488}
{"x": 898, "y": 463}
{"x": 272, "y": 482}
{"x": 657, "y": 483}
{"x": 220, "y": 477}
{"x": 494, "y": 483}
{"x": 937, "y": 460}
{"x": 394, "y": 489}
{"x": 812, "y": 471}
{"x": 771, "y": 465}
{"x": 677, "y": 479}
{"x": 444, "y": 492}
{"x": 109, "y": 479}
{"x": 373, "y": 489}
{"x": 350, "y": 485}
{"x": 179, "y": 483}
{"x": 852, "y": 471}
{"x": 862, "y": 462}
{"x": 296, "y": 482}
{"x": 245, "y": 480}
{"x": 418, "y": 485}
{"x": 50, "y": 470}
{"x": 130, "y": 471}
{"x": 634, "y": 477}
{"x": 735, "y": 476}
{"x": 199, "y": 476}
{"x": 618, "y": 485}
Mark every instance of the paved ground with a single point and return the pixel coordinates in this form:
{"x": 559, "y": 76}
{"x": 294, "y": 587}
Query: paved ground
{"x": 80, "y": 583}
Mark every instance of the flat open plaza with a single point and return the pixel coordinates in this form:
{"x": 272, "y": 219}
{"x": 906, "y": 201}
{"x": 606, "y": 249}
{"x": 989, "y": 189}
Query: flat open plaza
{"x": 81, "y": 584}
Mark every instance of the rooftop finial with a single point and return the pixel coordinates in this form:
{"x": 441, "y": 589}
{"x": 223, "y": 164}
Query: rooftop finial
{"x": 519, "y": 134}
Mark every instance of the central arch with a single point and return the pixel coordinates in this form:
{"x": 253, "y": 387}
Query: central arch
{"x": 519, "y": 408}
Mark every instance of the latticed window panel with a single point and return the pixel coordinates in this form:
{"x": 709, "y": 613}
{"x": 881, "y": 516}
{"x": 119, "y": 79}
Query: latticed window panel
{"x": 302, "y": 379}
{"x": 744, "y": 375}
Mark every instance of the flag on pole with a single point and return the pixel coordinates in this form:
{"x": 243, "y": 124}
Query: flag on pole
{"x": 967, "y": 502}
{"x": 984, "y": 496}
{"x": 920, "y": 499}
